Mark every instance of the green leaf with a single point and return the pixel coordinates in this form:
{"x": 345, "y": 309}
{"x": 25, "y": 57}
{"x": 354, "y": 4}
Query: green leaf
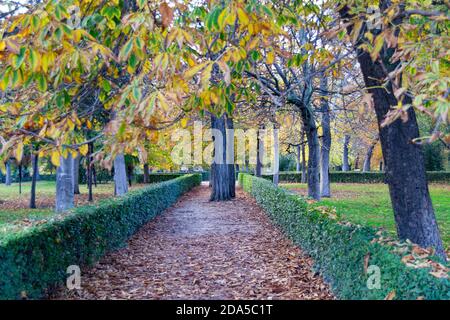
{"x": 41, "y": 82}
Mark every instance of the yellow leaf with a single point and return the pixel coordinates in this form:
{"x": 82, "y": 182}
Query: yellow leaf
{"x": 184, "y": 122}
{"x": 206, "y": 76}
{"x": 2, "y": 45}
{"x": 243, "y": 17}
{"x": 55, "y": 158}
{"x": 379, "y": 40}
{"x": 19, "y": 151}
{"x": 194, "y": 70}
{"x": 270, "y": 57}
{"x": 163, "y": 102}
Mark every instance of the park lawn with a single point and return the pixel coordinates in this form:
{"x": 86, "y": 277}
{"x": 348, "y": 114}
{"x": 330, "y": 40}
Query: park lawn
{"x": 14, "y": 206}
{"x": 370, "y": 205}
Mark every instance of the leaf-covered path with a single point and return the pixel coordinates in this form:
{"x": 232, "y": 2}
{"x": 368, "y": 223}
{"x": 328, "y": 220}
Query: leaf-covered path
{"x": 199, "y": 249}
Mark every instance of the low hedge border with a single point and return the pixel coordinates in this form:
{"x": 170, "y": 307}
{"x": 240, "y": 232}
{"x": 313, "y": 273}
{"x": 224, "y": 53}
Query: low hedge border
{"x": 339, "y": 250}
{"x": 358, "y": 177}
{"x": 36, "y": 260}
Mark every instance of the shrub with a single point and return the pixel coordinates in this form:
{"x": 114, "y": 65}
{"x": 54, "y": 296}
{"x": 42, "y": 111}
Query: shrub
{"x": 158, "y": 177}
{"x": 36, "y": 259}
{"x": 359, "y": 177}
{"x": 339, "y": 249}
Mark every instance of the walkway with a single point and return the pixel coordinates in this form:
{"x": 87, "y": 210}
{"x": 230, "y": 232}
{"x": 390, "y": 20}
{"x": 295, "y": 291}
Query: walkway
{"x": 204, "y": 250}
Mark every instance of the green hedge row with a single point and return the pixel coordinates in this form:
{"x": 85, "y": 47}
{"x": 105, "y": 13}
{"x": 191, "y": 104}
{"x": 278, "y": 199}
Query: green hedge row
{"x": 158, "y": 177}
{"x": 339, "y": 249}
{"x": 163, "y": 176}
{"x": 359, "y": 177}
{"x": 37, "y": 259}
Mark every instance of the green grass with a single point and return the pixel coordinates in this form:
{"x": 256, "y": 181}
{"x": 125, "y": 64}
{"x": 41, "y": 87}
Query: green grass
{"x": 370, "y": 205}
{"x": 14, "y": 206}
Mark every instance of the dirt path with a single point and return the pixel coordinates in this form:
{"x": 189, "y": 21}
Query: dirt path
{"x": 204, "y": 250}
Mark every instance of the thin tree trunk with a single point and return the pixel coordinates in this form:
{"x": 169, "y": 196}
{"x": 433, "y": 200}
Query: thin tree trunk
{"x": 76, "y": 174}
{"x": 345, "y": 162}
{"x": 357, "y": 162}
{"x": 368, "y": 157}
{"x": 220, "y": 177}
{"x": 404, "y": 160}
{"x": 313, "y": 176}
{"x": 34, "y": 177}
{"x": 303, "y": 159}
{"x": 89, "y": 171}
{"x": 64, "y": 184}
{"x": 259, "y": 154}
{"x": 230, "y": 156}
{"x": 298, "y": 157}
{"x": 8, "y": 178}
{"x": 276, "y": 157}
{"x": 325, "y": 190}
{"x": 120, "y": 176}
{"x": 381, "y": 166}
{"x": 130, "y": 174}
{"x": 146, "y": 174}
{"x": 20, "y": 178}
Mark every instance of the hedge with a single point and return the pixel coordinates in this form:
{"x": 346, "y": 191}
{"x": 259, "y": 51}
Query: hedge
{"x": 339, "y": 249}
{"x": 36, "y": 260}
{"x": 359, "y": 177}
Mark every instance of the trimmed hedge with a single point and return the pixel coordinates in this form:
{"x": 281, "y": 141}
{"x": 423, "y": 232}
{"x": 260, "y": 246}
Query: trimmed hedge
{"x": 359, "y": 177}
{"x": 37, "y": 259}
{"x": 158, "y": 177}
{"x": 339, "y": 249}
{"x": 163, "y": 176}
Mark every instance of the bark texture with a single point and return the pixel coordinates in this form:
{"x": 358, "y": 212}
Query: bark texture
{"x": 8, "y": 178}
{"x": 64, "y": 184}
{"x": 76, "y": 175}
{"x": 368, "y": 157}
{"x": 220, "y": 177}
{"x": 230, "y": 156}
{"x": 325, "y": 190}
{"x": 120, "y": 176}
{"x": 404, "y": 160}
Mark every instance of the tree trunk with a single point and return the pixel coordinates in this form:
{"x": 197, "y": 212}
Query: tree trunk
{"x": 303, "y": 159}
{"x": 130, "y": 170}
{"x": 276, "y": 157}
{"x": 381, "y": 166}
{"x": 368, "y": 157}
{"x": 220, "y": 175}
{"x": 259, "y": 154}
{"x": 345, "y": 162}
{"x": 120, "y": 176}
{"x": 313, "y": 176}
{"x": 146, "y": 174}
{"x": 404, "y": 160}
{"x": 64, "y": 184}
{"x": 230, "y": 156}
{"x": 20, "y": 178}
{"x": 76, "y": 175}
{"x": 8, "y": 178}
{"x": 298, "y": 157}
{"x": 34, "y": 177}
{"x": 89, "y": 171}
{"x": 325, "y": 190}
{"x": 357, "y": 162}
